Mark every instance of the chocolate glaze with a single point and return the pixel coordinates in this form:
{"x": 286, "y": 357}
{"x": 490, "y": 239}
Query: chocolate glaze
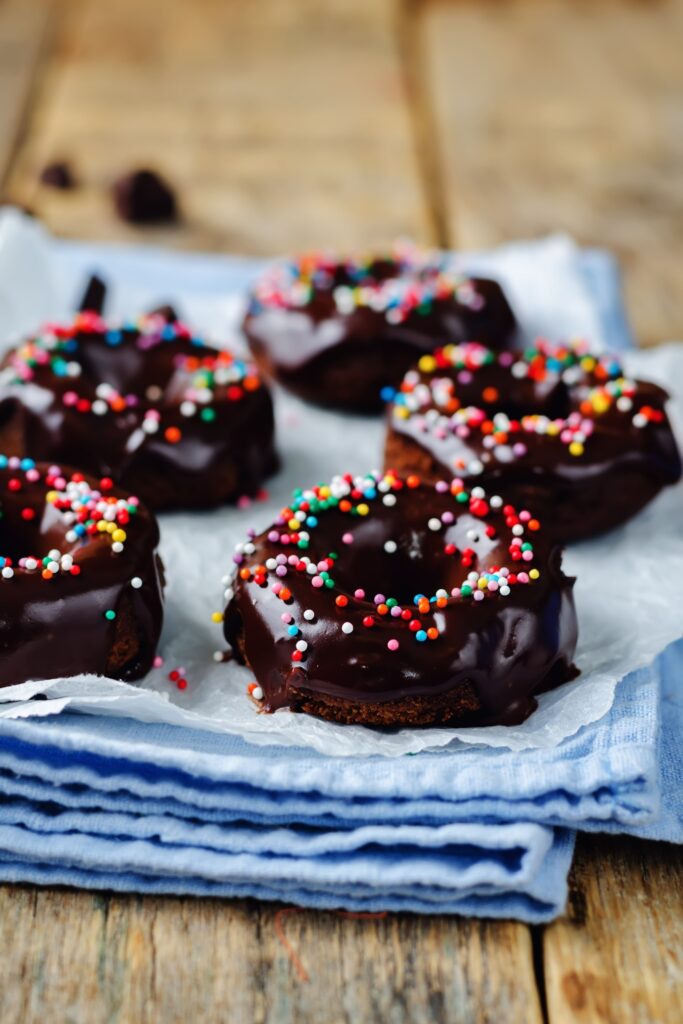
{"x": 344, "y": 359}
{"x": 622, "y": 466}
{"x": 53, "y": 627}
{"x": 214, "y": 461}
{"x": 505, "y": 648}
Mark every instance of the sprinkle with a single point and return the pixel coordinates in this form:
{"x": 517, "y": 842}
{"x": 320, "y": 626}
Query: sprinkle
{"x": 390, "y": 547}
{"x": 347, "y": 627}
{"x": 110, "y": 614}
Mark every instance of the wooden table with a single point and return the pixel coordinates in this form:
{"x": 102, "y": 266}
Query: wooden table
{"x": 293, "y": 123}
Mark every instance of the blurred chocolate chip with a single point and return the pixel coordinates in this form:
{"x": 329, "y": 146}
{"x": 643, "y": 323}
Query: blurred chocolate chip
{"x": 143, "y": 197}
{"x": 169, "y": 314}
{"x": 93, "y": 296}
{"x": 58, "y": 175}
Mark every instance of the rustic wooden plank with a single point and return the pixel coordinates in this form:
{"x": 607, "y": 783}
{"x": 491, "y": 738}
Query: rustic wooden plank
{"x": 566, "y": 115}
{"x": 283, "y": 123}
{"x": 617, "y": 957}
{"x": 89, "y": 958}
{"x": 23, "y": 30}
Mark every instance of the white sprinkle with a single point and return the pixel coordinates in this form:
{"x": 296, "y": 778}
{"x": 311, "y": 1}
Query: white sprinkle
{"x": 389, "y": 500}
{"x": 136, "y": 583}
{"x": 218, "y": 655}
{"x": 309, "y": 615}
{"x": 187, "y": 408}
{"x": 504, "y": 590}
{"x": 153, "y": 393}
{"x": 390, "y": 547}
{"x": 31, "y": 564}
{"x": 347, "y": 627}
{"x": 301, "y": 645}
{"x": 99, "y": 407}
{"x": 257, "y": 693}
{"x": 475, "y": 467}
{"x": 478, "y": 492}
{"x": 517, "y": 530}
{"x": 624, "y": 403}
{"x": 496, "y": 501}
{"x": 117, "y": 547}
{"x": 8, "y": 572}
{"x": 639, "y": 420}
{"x": 434, "y": 524}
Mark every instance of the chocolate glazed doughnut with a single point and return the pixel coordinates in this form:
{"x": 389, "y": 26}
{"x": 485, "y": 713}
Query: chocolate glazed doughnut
{"x": 556, "y": 429}
{"x": 336, "y": 331}
{"x": 383, "y": 601}
{"x": 169, "y": 418}
{"x": 80, "y": 580}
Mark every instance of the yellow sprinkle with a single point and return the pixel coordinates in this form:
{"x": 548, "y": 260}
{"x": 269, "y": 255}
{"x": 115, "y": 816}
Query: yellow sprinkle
{"x": 217, "y": 616}
{"x": 576, "y": 448}
{"x": 483, "y": 584}
{"x": 294, "y": 524}
{"x": 103, "y": 526}
{"x": 119, "y": 535}
{"x": 552, "y": 429}
{"x": 401, "y": 412}
{"x": 534, "y": 574}
{"x": 51, "y": 496}
{"x": 588, "y": 363}
{"x": 362, "y": 509}
{"x": 600, "y": 403}
{"x": 427, "y": 364}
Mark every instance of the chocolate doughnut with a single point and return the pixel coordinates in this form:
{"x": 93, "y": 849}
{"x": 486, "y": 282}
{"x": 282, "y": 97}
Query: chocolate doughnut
{"x": 384, "y": 601}
{"x": 179, "y": 423}
{"x": 80, "y": 580}
{"x": 337, "y": 331}
{"x": 555, "y": 428}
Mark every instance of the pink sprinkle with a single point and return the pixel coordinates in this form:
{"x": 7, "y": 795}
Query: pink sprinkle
{"x": 158, "y": 661}
{"x": 347, "y": 538}
{"x": 276, "y": 588}
{"x": 522, "y": 577}
{"x": 525, "y": 516}
{"x": 243, "y": 502}
{"x": 527, "y": 555}
{"x": 392, "y": 645}
{"x": 286, "y": 617}
{"x": 359, "y": 594}
{"x": 379, "y": 599}
{"x": 281, "y": 570}
{"x": 318, "y": 582}
{"x": 478, "y": 595}
{"x": 441, "y": 487}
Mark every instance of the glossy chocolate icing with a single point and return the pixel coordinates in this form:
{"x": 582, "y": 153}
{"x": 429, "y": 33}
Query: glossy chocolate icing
{"x": 56, "y": 587}
{"x": 504, "y": 646}
{"x": 164, "y": 415}
{"x": 557, "y": 430}
{"x": 341, "y": 346}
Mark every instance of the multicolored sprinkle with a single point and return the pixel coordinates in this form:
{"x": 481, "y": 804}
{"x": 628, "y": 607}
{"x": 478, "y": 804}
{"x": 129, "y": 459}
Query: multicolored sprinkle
{"x": 409, "y": 281}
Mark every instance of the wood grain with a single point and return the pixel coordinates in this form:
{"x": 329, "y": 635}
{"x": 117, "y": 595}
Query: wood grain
{"x": 23, "y": 32}
{"x": 566, "y": 115}
{"x": 282, "y": 123}
{"x": 92, "y": 958}
{"x": 617, "y": 957}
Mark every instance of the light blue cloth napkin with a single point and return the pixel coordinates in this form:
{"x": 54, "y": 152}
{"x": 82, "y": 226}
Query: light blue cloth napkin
{"x": 112, "y": 803}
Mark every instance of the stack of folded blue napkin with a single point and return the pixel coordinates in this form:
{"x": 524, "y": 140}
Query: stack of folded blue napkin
{"x": 112, "y": 803}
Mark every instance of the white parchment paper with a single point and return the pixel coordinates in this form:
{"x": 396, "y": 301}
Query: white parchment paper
{"x": 629, "y": 590}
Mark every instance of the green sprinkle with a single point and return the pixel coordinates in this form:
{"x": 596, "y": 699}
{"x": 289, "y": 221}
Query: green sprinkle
{"x": 208, "y": 415}
{"x": 110, "y": 614}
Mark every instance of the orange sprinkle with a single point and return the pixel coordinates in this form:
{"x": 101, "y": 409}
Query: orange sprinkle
{"x": 251, "y": 383}
{"x": 534, "y": 524}
{"x": 172, "y": 435}
{"x": 245, "y": 574}
{"x": 432, "y": 633}
{"x": 47, "y": 575}
{"x": 413, "y": 481}
{"x": 285, "y": 594}
{"x": 490, "y": 394}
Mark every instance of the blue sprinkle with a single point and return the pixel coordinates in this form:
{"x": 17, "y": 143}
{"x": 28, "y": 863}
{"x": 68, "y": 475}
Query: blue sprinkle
{"x": 311, "y": 521}
{"x": 113, "y": 337}
{"x": 2, "y": 562}
{"x": 79, "y": 529}
{"x": 3, "y": 461}
{"x": 387, "y": 394}
{"x": 421, "y": 635}
{"x": 418, "y": 598}
{"x": 168, "y": 332}
{"x": 293, "y": 630}
{"x": 27, "y": 464}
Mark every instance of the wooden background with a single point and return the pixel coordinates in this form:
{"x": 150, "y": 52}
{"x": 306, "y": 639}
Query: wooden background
{"x": 291, "y": 123}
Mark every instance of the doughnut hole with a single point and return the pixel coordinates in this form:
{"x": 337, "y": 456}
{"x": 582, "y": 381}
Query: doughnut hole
{"x": 418, "y": 565}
